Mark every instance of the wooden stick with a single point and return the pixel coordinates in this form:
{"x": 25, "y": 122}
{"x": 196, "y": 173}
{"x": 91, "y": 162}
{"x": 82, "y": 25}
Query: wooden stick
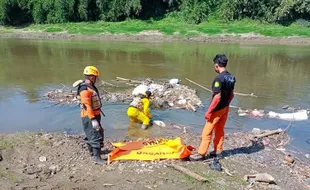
{"x": 269, "y": 133}
{"x": 242, "y": 94}
{"x": 22, "y": 90}
{"x": 130, "y": 84}
{"x": 236, "y": 93}
{"x": 235, "y": 107}
{"x": 104, "y": 82}
{"x": 107, "y": 184}
{"x": 189, "y": 173}
{"x": 199, "y": 85}
{"x": 227, "y": 171}
{"x": 191, "y": 107}
{"x": 287, "y": 129}
{"x": 128, "y": 80}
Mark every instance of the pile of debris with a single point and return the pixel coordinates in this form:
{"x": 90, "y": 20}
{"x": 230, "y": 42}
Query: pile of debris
{"x": 170, "y": 94}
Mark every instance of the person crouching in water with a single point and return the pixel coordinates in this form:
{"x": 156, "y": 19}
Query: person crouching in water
{"x": 146, "y": 105}
{"x": 90, "y": 112}
{"x": 139, "y": 110}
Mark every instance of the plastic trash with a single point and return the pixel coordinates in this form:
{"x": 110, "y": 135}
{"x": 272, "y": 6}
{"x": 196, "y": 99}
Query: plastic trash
{"x": 140, "y": 90}
{"x": 296, "y": 116}
{"x": 256, "y": 131}
{"x": 159, "y": 123}
{"x": 174, "y": 81}
{"x": 156, "y": 87}
{"x": 182, "y": 102}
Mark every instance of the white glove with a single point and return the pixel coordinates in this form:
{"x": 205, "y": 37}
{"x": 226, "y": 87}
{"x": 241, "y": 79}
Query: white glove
{"x": 95, "y": 124}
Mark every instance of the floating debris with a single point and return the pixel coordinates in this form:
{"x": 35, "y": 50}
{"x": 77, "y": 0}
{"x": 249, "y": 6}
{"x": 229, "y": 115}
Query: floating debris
{"x": 166, "y": 95}
{"x": 298, "y": 115}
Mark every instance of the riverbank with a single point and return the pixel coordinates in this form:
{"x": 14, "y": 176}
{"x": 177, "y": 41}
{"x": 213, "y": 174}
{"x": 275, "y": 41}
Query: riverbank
{"x": 168, "y": 29}
{"x": 58, "y": 161}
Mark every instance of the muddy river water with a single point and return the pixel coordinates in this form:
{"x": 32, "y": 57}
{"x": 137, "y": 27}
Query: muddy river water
{"x": 278, "y": 74}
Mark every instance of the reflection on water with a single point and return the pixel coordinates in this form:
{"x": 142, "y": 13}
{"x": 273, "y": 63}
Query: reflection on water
{"x": 277, "y": 74}
{"x": 135, "y": 132}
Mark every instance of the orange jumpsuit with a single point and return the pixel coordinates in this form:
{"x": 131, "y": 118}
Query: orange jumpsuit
{"x": 216, "y": 123}
{"x": 222, "y": 87}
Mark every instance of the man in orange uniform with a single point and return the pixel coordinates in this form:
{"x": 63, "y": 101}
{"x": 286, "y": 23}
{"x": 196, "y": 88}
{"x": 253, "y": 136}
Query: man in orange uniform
{"x": 90, "y": 112}
{"x": 216, "y": 116}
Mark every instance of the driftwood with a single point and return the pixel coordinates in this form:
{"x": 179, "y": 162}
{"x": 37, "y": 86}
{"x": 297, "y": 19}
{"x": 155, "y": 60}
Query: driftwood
{"x": 269, "y": 133}
{"x": 189, "y": 173}
{"x": 23, "y": 91}
{"x": 236, "y": 107}
{"x": 191, "y": 107}
{"x": 130, "y": 84}
{"x": 107, "y": 184}
{"x": 227, "y": 171}
{"x": 110, "y": 84}
{"x": 128, "y": 80}
{"x": 287, "y": 129}
{"x": 236, "y": 93}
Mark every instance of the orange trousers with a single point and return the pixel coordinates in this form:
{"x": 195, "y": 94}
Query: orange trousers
{"x": 216, "y": 123}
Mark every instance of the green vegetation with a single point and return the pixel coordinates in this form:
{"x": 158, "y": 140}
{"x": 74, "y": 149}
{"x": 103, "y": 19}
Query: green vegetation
{"x": 285, "y": 12}
{"x": 5, "y": 144}
{"x": 184, "y": 17}
{"x": 10, "y": 176}
{"x": 171, "y": 26}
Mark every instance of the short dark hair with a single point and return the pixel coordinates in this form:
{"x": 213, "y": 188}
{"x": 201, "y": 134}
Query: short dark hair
{"x": 148, "y": 93}
{"x": 221, "y": 60}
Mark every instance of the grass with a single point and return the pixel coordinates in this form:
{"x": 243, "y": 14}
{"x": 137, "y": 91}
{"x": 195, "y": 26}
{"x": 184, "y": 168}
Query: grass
{"x": 9, "y": 175}
{"x": 169, "y": 26}
{"x": 7, "y": 144}
{"x": 19, "y": 139}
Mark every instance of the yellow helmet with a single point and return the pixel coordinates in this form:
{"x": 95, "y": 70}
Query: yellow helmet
{"x": 91, "y": 70}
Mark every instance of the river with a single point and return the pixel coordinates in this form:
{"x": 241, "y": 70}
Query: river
{"x": 278, "y": 74}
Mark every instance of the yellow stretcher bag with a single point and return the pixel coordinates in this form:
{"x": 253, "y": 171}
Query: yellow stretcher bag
{"x": 150, "y": 150}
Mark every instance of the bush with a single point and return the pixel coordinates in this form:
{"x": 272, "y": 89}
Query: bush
{"x": 18, "y": 12}
{"x": 15, "y": 12}
{"x": 302, "y": 23}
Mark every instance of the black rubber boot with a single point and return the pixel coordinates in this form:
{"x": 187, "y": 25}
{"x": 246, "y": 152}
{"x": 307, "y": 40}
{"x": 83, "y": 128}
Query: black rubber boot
{"x": 216, "y": 165}
{"x": 96, "y": 157}
{"x": 90, "y": 149}
{"x": 213, "y": 154}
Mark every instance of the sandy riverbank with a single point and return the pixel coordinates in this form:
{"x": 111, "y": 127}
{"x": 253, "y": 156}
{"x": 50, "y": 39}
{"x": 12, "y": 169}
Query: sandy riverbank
{"x": 68, "y": 165}
{"x": 155, "y": 36}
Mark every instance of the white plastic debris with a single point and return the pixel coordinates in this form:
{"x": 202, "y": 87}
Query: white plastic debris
{"x": 256, "y": 131}
{"x": 42, "y": 158}
{"x": 156, "y": 87}
{"x": 182, "y": 102}
{"x": 159, "y": 123}
{"x": 140, "y": 90}
{"x": 174, "y": 81}
{"x": 296, "y": 116}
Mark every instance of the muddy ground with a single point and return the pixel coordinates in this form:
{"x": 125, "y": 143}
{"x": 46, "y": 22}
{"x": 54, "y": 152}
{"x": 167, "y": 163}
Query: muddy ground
{"x": 155, "y": 36}
{"x": 59, "y": 161}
